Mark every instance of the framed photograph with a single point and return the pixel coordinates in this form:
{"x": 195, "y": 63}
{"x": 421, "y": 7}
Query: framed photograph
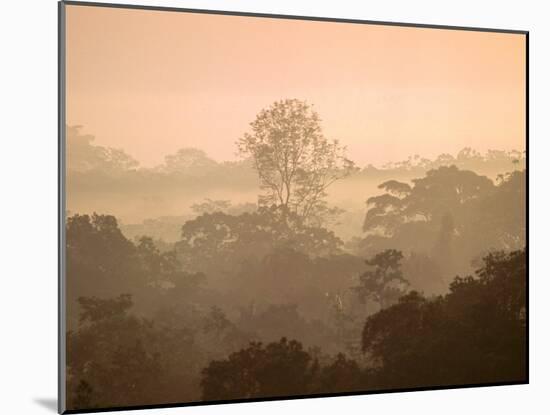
{"x": 257, "y": 207}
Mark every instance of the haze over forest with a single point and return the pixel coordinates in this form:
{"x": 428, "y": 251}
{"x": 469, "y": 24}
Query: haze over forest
{"x": 290, "y": 259}
{"x": 154, "y": 200}
{"x": 312, "y": 208}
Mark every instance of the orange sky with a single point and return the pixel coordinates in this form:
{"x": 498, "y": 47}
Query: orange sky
{"x": 152, "y": 82}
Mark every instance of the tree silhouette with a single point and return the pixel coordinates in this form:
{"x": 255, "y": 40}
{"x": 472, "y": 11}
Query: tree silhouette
{"x": 342, "y": 375}
{"x": 99, "y": 258}
{"x": 444, "y": 190}
{"x": 103, "y": 263}
{"x": 452, "y": 215}
{"x": 218, "y": 239}
{"x": 277, "y": 369}
{"x": 108, "y": 359}
{"x": 474, "y": 334}
{"x": 383, "y": 282}
{"x": 294, "y": 161}
{"x": 499, "y": 219}
{"x": 190, "y": 161}
{"x": 83, "y": 156}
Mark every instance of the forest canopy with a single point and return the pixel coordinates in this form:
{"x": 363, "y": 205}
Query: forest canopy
{"x": 291, "y": 271}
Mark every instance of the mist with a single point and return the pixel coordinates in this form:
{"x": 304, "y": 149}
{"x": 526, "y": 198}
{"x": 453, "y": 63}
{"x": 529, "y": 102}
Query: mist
{"x": 192, "y": 265}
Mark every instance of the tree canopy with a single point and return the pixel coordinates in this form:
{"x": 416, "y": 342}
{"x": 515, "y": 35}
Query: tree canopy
{"x": 474, "y": 334}
{"x": 227, "y": 299}
{"x": 383, "y": 282}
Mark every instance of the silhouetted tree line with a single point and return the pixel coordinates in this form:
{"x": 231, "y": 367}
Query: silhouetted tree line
{"x": 104, "y": 179}
{"x": 450, "y": 215}
{"x": 475, "y": 334}
{"x": 257, "y": 300}
{"x": 164, "y": 337}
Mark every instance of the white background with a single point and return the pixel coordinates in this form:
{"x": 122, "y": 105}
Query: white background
{"x": 28, "y": 163}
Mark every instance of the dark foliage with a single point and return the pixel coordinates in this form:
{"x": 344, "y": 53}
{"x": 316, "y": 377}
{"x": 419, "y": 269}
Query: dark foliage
{"x": 474, "y": 334}
{"x": 208, "y": 316}
{"x": 277, "y": 369}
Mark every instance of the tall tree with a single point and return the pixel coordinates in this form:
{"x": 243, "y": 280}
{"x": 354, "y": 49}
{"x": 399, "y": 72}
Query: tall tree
{"x": 295, "y": 162}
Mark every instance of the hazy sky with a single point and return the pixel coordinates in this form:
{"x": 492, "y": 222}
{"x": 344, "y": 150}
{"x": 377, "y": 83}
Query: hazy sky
{"x": 152, "y": 82}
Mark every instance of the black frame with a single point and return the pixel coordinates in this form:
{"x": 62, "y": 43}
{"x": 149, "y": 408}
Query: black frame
{"x": 61, "y": 200}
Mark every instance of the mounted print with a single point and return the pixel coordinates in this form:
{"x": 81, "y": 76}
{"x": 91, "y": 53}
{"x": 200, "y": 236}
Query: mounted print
{"x": 258, "y": 207}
